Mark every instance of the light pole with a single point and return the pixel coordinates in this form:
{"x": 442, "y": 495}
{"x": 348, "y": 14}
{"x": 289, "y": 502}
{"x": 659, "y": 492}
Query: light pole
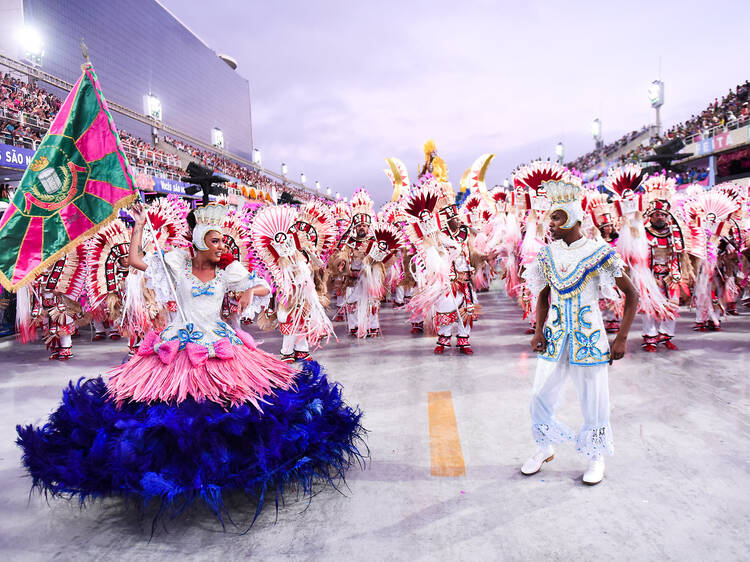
{"x": 302, "y": 178}
{"x": 257, "y": 159}
{"x": 560, "y": 152}
{"x": 283, "y": 169}
{"x": 656, "y": 97}
{"x": 596, "y": 132}
{"x": 317, "y": 185}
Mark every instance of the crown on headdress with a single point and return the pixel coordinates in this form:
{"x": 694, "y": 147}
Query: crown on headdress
{"x": 211, "y": 215}
{"x": 208, "y": 218}
{"x": 561, "y": 192}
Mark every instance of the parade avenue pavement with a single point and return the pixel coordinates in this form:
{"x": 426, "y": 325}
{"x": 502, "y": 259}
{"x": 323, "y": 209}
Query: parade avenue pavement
{"x": 676, "y": 489}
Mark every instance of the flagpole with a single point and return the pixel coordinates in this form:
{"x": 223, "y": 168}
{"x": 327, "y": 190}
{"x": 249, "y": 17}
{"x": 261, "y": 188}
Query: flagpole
{"x": 159, "y": 253}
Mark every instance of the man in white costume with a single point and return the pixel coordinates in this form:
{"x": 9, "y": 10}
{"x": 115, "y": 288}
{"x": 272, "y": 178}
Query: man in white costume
{"x": 570, "y": 338}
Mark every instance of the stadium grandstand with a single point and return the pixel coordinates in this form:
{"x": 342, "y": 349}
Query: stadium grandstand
{"x": 172, "y": 108}
{"x": 710, "y": 147}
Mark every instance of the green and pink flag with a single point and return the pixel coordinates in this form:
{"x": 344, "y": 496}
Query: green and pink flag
{"x": 77, "y": 182}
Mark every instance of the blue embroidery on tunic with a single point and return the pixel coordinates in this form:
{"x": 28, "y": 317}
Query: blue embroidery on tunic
{"x": 585, "y": 268}
{"x": 588, "y": 345}
{"x": 581, "y": 312}
{"x": 187, "y": 335}
{"x": 226, "y": 331}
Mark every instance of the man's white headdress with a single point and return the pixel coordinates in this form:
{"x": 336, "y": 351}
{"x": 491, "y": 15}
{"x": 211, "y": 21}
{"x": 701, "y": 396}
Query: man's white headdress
{"x": 565, "y": 196}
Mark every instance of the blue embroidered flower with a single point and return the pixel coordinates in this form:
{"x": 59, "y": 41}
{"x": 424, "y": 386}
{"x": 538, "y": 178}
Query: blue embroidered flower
{"x": 551, "y": 340}
{"x": 226, "y": 331}
{"x": 187, "y": 335}
{"x": 588, "y": 345}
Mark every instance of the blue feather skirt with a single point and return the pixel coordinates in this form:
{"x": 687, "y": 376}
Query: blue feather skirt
{"x": 194, "y": 452}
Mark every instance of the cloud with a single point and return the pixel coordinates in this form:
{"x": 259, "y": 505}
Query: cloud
{"x": 339, "y": 86}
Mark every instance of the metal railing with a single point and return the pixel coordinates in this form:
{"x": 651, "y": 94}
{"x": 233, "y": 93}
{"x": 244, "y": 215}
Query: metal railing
{"x": 717, "y": 130}
{"x": 13, "y": 140}
{"x": 42, "y": 76}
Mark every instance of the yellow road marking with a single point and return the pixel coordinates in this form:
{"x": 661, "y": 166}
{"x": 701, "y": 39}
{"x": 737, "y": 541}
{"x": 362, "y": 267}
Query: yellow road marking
{"x": 446, "y": 458}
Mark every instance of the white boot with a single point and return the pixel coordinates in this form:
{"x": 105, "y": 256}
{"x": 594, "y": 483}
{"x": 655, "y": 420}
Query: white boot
{"x": 534, "y": 464}
{"x": 595, "y": 472}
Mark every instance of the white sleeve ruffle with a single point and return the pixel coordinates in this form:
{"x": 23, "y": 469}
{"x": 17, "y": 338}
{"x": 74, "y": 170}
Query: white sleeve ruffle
{"x": 534, "y": 276}
{"x": 156, "y": 274}
{"x": 608, "y": 274}
{"x": 258, "y": 303}
{"x": 237, "y": 278}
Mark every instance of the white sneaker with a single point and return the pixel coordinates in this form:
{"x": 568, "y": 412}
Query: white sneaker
{"x": 595, "y": 472}
{"x": 534, "y": 464}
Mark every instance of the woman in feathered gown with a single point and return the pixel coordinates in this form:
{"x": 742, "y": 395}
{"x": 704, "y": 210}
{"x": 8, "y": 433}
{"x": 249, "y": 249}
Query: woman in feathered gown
{"x": 200, "y": 410}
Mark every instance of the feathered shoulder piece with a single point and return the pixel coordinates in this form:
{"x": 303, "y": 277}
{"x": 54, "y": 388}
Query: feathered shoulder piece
{"x": 392, "y": 213}
{"x": 388, "y": 239}
{"x": 735, "y": 192}
{"x": 420, "y": 208}
{"x": 623, "y": 182}
{"x": 270, "y": 238}
{"x": 500, "y": 197}
{"x": 237, "y": 236}
{"x": 659, "y": 188}
{"x": 103, "y": 253}
{"x": 475, "y": 210}
{"x": 599, "y": 209}
{"x": 532, "y": 176}
{"x": 716, "y": 206}
{"x": 168, "y": 217}
{"x": 315, "y": 222}
{"x": 67, "y": 275}
{"x": 342, "y": 212}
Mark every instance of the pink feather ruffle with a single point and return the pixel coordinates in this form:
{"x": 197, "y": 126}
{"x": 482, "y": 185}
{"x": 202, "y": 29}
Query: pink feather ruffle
{"x": 249, "y": 376}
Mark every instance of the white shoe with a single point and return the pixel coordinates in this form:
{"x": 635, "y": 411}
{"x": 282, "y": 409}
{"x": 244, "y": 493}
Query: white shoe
{"x": 595, "y": 472}
{"x": 534, "y": 464}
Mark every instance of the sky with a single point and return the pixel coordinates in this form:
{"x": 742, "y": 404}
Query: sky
{"x": 338, "y": 86}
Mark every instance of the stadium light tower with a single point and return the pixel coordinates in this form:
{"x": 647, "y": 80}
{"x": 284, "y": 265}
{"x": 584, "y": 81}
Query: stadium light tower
{"x": 596, "y": 132}
{"x": 560, "y": 152}
{"x": 32, "y": 45}
{"x": 656, "y": 97}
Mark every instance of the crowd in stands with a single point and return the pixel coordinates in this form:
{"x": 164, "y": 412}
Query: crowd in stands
{"x": 26, "y": 112}
{"x": 246, "y": 175}
{"x": 145, "y": 158}
{"x": 590, "y": 159}
{"x": 733, "y": 110}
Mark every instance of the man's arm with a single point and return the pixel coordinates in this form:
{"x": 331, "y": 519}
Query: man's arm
{"x": 538, "y": 343}
{"x": 631, "y": 307}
